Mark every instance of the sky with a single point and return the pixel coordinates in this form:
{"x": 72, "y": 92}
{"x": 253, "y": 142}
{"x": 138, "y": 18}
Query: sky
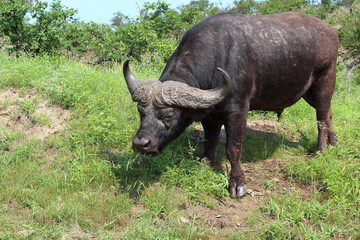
{"x": 102, "y": 11}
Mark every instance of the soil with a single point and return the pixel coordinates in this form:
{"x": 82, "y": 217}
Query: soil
{"x": 14, "y": 117}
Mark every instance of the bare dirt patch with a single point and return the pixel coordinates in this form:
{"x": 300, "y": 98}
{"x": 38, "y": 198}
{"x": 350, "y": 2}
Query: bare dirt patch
{"x": 228, "y": 214}
{"x": 265, "y": 125}
{"x": 30, "y": 114}
{"x": 76, "y": 232}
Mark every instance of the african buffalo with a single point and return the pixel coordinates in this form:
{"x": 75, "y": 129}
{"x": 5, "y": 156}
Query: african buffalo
{"x": 229, "y": 64}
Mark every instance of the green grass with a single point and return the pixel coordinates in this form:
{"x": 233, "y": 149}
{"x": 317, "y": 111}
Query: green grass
{"x": 86, "y": 181}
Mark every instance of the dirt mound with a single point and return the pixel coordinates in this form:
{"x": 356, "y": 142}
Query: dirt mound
{"x": 30, "y": 114}
{"x": 227, "y": 214}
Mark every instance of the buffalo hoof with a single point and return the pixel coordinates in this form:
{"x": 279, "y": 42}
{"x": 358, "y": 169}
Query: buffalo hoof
{"x": 239, "y": 192}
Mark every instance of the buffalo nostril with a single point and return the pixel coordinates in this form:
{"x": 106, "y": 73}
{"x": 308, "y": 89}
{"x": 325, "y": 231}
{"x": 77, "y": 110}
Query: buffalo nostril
{"x": 144, "y": 142}
{"x": 140, "y": 144}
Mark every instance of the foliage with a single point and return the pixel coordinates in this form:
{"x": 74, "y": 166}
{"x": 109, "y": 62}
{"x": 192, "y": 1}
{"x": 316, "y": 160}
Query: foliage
{"x": 204, "y": 7}
{"x": 12, "y": 21}
{"x": 45, "y": 35}
{"x": 161, "y": 18}
{"x": 153, "y": 35}
{"x": 119, "y": 20}
{"x": 274, "y": 6}
{"x": 245, "y": 6}
{"x": 347, "y": 22}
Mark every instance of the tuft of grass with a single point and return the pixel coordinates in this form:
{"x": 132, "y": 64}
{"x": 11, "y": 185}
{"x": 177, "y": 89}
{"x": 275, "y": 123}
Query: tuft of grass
{"x": 199, "y": 181}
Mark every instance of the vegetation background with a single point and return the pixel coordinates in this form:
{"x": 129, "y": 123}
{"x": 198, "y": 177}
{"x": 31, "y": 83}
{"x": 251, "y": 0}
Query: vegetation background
{"x": 66, "y": 123}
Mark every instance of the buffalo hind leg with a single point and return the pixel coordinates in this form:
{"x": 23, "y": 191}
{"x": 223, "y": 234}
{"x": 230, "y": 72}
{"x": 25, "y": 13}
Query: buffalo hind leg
{"x": 235, "y": 126}
{"x": 319, "y": 96}
{"x": 212, "y": 128}
{"x": 331, "y": 139}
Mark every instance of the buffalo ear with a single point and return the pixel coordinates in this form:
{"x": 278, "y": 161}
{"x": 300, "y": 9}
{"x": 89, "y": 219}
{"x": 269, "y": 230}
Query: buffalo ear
{"x": 196, "y": 116}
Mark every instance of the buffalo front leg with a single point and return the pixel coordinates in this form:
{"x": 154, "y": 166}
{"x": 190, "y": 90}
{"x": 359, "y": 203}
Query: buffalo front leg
{"x": 235, "y": 127}
{"x": 212, "y": 128}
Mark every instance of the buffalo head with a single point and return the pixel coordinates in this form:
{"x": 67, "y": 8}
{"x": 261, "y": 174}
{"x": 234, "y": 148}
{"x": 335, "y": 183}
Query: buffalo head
{"x": 167, "y": 108}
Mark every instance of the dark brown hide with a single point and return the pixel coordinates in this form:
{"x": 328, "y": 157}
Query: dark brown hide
{"x": 272, "y": 60}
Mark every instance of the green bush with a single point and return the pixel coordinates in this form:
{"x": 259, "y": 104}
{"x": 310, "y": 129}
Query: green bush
{"x": 347, "y": 23}
{"x": 153, "y": 35}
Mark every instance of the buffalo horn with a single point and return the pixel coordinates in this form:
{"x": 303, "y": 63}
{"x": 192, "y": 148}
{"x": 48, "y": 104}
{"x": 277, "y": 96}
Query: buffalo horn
{"x": 183, "y": 95}
{"x": 132, "y": 82}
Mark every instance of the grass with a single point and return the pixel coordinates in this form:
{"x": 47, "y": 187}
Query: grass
{"x": 86, "y": 182}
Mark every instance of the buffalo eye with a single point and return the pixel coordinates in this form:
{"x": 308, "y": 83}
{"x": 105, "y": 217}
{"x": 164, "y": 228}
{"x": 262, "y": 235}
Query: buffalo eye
{"x": 167, "y": 120}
